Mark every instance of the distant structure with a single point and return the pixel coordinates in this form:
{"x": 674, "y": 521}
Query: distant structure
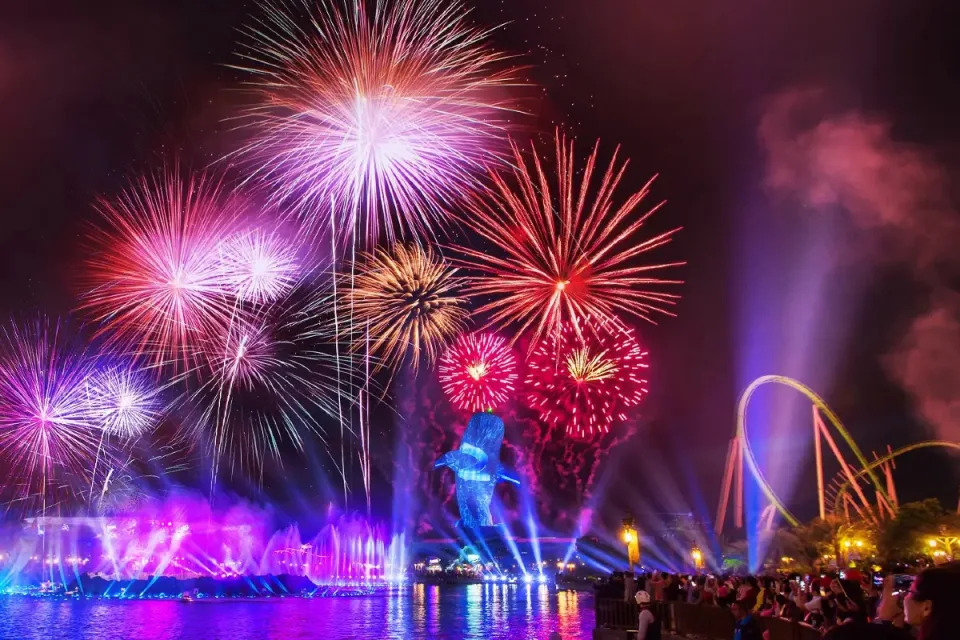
{"x": 477, "y": 466}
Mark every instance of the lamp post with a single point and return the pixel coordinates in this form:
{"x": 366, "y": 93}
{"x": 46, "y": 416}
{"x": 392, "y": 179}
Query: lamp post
{"x": 697, "y": 556}
{"x": 947, "y": 541}
{"x": 632, "y": 540}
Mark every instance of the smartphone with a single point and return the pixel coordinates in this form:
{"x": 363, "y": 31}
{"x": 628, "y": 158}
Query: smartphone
{"x": 902, "y": 582}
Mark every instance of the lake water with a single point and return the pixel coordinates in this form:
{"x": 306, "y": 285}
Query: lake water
{"x": 483, "y": 611}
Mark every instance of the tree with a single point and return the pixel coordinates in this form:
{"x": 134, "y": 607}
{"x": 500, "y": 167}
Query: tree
{"x": 832, "y": 541}
{"x": 903, "y": 537}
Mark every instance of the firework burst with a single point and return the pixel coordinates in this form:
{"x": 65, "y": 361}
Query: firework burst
{"x": 478, "y": 372}
{"x": 586, "y": 377}
{"x": 125, "y": 402}
{"x": 155, "y": 283}
{"x": 404, "y": 299}
{"x": 267, "y": 379}
{"x": 49, "y": 436}
{"x": 381, "y": 110}
{"x": 257, "y": 266}
{"x": 560, "y": 257}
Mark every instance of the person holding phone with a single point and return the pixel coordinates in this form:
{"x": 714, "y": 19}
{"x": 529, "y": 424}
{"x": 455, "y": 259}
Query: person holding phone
{"x": 932, "y": 603}
{"x": 856, "y": 628}
{"x": 847, "y": 599}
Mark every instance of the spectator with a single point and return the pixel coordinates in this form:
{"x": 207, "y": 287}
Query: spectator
{"x": 657, "y": 582}
{"x": 726, "y": 593}
{"x": 933, "y": 603}
{"x": 673, "y": 588}
{"x": 708, "y": 594}
{"x": 749, "y": 591}
{"x": 649, "y": 625}
{"x": 846, "y": 597}
{"x": 890, "y": 608}
{"x": 747, "y": 628}
{"x": 693, "y": 590}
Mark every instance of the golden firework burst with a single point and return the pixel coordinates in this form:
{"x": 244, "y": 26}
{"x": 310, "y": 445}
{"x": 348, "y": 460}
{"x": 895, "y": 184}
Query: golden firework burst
{"x": 404, "y": 300}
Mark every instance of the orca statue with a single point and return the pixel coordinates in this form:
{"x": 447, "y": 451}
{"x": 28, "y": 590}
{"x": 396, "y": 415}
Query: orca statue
{"x": 477, "y": 466}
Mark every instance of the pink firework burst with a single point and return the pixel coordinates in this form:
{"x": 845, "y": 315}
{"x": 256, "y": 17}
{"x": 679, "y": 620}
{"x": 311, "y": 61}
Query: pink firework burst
{"x": 586, "y": 377}
{"x": 377, "y": 110}
{"x": 478, "y": 372}
{"x": 155, "y": 283}
{"x": 49, "y": 434}
{"x": 259, "y": 266}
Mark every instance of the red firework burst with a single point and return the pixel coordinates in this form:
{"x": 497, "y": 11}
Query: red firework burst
{"x": 155, "y": 283}
{"x": 478, "y": 372}
{"x": 557, "y": 256}
{"x": 586, "y": 376}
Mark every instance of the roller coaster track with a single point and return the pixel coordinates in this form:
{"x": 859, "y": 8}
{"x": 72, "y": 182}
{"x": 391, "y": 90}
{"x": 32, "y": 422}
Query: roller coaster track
{"x": 739, "y": 452}
{"x": 842, "y": 484}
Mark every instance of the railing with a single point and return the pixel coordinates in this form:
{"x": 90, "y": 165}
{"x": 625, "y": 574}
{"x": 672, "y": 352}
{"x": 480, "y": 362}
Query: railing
{"x": 703, "y": 620}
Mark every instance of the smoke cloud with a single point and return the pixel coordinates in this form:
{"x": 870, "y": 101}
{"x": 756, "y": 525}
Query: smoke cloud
{"x": 896, "y": 198}
{"x": 927, "y": 364}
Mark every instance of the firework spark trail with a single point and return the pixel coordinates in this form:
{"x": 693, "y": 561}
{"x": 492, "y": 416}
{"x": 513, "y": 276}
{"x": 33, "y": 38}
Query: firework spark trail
{"x": 364, "y": 404}
{"x": 264, "y": 380}
{"x": 49, "y": 436}
{"x": 389, "y": 112}
{"x": 478, "y": 372}
{"x": 406, "y": 298}
{"x": 560, "y": 258}
{"x": 155, "y": 282}
{"x": 336, "y": 329}
{"x": 125, "y": 404}
{"x": 587, "y": 376}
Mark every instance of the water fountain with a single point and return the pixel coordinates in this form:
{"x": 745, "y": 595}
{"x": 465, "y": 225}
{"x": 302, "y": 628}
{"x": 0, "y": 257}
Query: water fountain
{"x": 347, "y": 552}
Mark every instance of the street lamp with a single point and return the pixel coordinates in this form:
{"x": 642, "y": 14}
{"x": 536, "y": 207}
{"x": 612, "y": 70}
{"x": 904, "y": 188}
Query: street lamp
{"x": 697, "y": 556}
{"x": 632, "y": 541}
{"x": 943, "y": 539}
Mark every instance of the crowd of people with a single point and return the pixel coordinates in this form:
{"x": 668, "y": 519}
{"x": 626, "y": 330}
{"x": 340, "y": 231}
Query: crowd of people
{"x": 844, "y": 605}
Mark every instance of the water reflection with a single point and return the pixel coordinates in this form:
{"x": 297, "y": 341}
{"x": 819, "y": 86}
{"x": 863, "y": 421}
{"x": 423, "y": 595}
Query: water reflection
{"x": 497, "y": 612}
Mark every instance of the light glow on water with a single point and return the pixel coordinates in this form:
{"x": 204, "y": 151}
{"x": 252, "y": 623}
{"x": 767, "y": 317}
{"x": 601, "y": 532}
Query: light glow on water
{"x": 488, "y": 612}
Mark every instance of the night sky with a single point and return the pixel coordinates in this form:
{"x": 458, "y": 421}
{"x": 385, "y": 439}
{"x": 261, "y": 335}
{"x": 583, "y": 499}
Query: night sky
{"x": 92, "y": 91}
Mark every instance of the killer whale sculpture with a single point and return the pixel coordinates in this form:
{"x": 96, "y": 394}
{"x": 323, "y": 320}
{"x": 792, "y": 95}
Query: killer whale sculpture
{"x": 477, "y": 466}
